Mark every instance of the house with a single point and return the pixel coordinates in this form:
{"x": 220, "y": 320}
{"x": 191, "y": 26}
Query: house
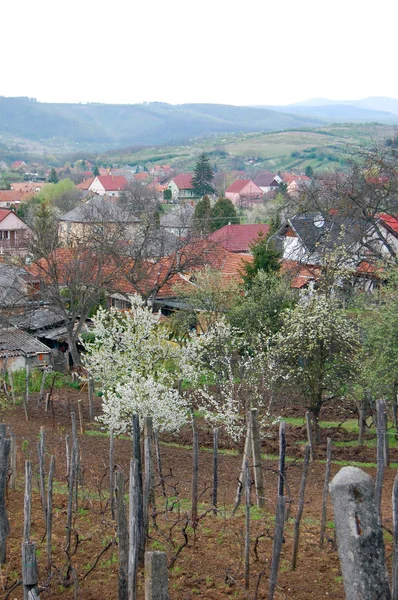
{"x": 181, "y": 187}
{"x": 80, "y": 222}
{"x": 10, "y": 198}
{"x": 239, "y": 238}
{"x": 267, "y": 181}
{"x": 18, "y": 165}
{"x": 388, "y": 226}
{"x": 179, "y": 220}
{"x": 13, "y": 231}
{"x": 18, "y": 350}
{"x": 112, "y": 185}
{"x": 244, "y": 193}
{"x": 85, "y": 185}
{"x": 295, "y": 183}
{"x": 27, "y": 187}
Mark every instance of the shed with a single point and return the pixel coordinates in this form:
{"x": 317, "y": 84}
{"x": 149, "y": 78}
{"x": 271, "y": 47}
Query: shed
{"x": 20, "y": 349}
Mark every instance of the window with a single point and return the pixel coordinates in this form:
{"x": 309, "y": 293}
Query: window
{"x": 4, "y": 235}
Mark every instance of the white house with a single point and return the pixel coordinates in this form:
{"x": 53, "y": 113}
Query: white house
{"x": 13, "y": 231}
{"x": 181, "y": 187}
{"x": 111, "y": 185}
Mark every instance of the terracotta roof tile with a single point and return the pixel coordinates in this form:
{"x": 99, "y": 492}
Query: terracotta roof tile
{"x": 238, "y": 238}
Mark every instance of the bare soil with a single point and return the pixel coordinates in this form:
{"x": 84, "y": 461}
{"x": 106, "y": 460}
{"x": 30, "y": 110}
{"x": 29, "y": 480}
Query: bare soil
{"x": 210, "y": 565}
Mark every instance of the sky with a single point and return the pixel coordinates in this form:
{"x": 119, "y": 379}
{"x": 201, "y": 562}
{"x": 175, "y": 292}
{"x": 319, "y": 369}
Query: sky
{"x": 215, "y": 51}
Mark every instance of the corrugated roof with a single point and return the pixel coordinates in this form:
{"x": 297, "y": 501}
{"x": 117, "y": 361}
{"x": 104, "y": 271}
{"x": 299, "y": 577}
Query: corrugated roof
{"x": 14, "y": 342}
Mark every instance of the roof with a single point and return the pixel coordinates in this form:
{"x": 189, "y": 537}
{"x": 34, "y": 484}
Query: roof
{"x": 10, "y": 196}
{"x": 238, "y": 238}
{"x": 112, "y": 183}
{"x": 183, "y": 181}
{"x": 39, "y": 318}
{"x": 301, "y": 274}
{"x": 390, "y": 221}
{"x": 98, "y": 210}
{"x": 4, "y": 212}
{"x": 178, "y": 218}
{"x": 264, "y": 179}
{"x": 12, "y": 285}
{"x": 14, "y": 342}
{"x": 238, "y": 185}
{"x": 291, "y": 177}
{"x": 84, "y": 185}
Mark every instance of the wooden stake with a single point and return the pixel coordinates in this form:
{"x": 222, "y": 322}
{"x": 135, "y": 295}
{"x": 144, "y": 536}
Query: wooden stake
{"x": 42, "y": 482}
{"x": 215, "y": 469}
{"x": 27, "y": 501}
{"x": 325, "y": 490}
{"x": 137, "y": 457}
{"x": 277, "y": 545}
{"x": 246, "y": 456}
{"x": 80, "y": 411}
{"x": 149, "y": 492}
{"x": 50, "y": 511}
{"x": 195, "y": 473}
{"x": 42, "y": 384}
{"x": 90, "y": 388}
{"x": 247, "y": 523}
{"x": 123, "y": 536}
{"x": 159, "y": 462}
{"x": 29, "y": 570}
{"x": 309, "y": 434}
{"x": 282, "y": 457}
{"x": 381, "y": 432}
{"x": 300, "y": 506}
{"x": 135, "y": 512}
{"x": 13, "y": 461}
{"x": 111, "y": 475}
{"x": 5, "y": 445}
{"x": 256, "y": 450}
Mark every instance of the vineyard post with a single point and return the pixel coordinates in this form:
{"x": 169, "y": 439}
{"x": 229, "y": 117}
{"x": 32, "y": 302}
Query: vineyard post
{"x": 394, "y": 582}
{"x": 247, "y": 524}
{"x": 13, "y": 461}
{"x": 156, "y": 577}
{"x": 300, "y": 506}
{"x": 195, "y": 473}
{"x": 81, "y": 419}
{"x": 246, "y": 456}
{"x": 256, "y": 450}
{"x": 215, "y": 469}
{"x": 159, "y": 461}
{"x": 42, "y": 482}
{"x": 50, "y": 510}
{"x": 71, "y": 488}
{"x": 309, "y": 434}
{"x": 277, "y": 545}
{"x": 67, "y": 454}
{"x": 140, "y": 501}
{"x": 26, "y": 397}
{"x": 111, "y": 475}
{"x": 5, "y": 445}
{"x": 90, "y": 388}
{"x": 29, "y": 564}
{"x": 42, "y": 384}
{"x": 381, "y": 432}
{"x": 27, "y": 500}
{"x": 135, "y": 525}
{"x": 75, "y": 450}
{"x": 123, "y": 536}
{"x": 149, "y": 492}
{"x": 282, "y": 458}
{"x": 359, "y": 535}
{"x": 325, "y": 490}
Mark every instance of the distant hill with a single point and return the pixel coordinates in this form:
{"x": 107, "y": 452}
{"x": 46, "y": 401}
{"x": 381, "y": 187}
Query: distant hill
{"x": 341, "y": 113}
{"x": 115, "y": 125}
{"x": 376, "y": 103}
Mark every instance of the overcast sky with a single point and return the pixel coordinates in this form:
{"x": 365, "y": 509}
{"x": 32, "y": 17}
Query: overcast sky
{"x": 216, "y": 51}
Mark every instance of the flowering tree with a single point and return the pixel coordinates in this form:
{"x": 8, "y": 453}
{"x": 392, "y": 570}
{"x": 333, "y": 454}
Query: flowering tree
{"x": 138, "y": 368}
{"x": 316, "y": 350}
{"x": 228, "y": 379}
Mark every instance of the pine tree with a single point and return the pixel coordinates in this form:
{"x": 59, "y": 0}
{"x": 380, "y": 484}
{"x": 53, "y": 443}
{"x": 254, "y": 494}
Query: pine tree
{"x": 202, "y": 215}
{"x": 53, "y": 177}
{"x": 265, "y": 258}
{"x": 222, "y": 213}
{"x": 95, "y": 171}
{"x": 203, "y": 176}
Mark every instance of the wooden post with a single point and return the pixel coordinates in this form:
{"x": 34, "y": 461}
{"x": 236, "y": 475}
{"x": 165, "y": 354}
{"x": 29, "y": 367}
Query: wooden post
{"x": 149, "y": 492}
{"x": 67, "y": 454}
{"x": 156, "y": 577}
{"x": 75, "y": 447}
{"x": 282, "y": 458}
{"x": 195, "y": 473}
{"x": 13, "y": 461}
{"x": 394, "y": 578}
{"x": 247, "y": 525}
{"x": 123, "y": 536}
{"x": 137, "y": 457}
{"x": 42, "y": 384}
{"x": 81, "y": 419}
{"x": 111, "y": 475}
{"x": 309, "y": 434}
{"x": 300, "y": 506}
{"x": 27, "y": 500}
{"x": 325, "y": 490}
{"x": 277, "y": 545}
{"x": 71, "y": 488}
{"x": 159, "y": 462}
{"x": 246, "y": 456}
{"x": 26, "y": 395}
{"x": 90, "y": 388}
{"x": 29, "y": 570}
{"x": 359, "y": 535}
{"x": 381, "y": 432}
{"x": 215, "y": 469}
{"x": 5, "y": 445}
{"x": 10, "y": 377}
{"x": 386, "y": 453}
{"x": 256, "y": 450}
{"x": 135, "y": 513}
{"x": 42, "y": 481}
{"x": 50, "y": 510}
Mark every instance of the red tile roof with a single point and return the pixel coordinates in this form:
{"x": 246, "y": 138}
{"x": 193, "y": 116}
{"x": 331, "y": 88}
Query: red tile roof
{"x": 84, "y": 185}
{"x": 290, "y": 177}
{"x": 112, "y": 183}
{"x": 4, "y": 212}
{"x": 238, "y": 238}
{"x": 141, "y": 176}
{"x": 10, "y": 196}
{"x": 183, "y": 181}
{"x": 390, "y": 221}
{"x": 238, "y": 185}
